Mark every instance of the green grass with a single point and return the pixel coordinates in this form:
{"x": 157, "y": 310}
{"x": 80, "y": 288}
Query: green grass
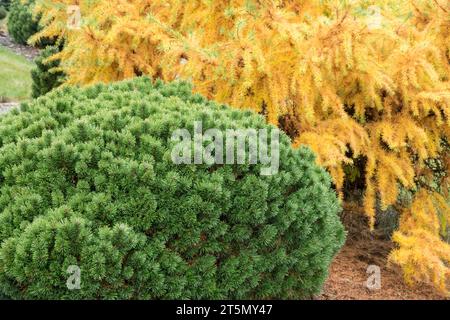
{"x": 15, "y": 76}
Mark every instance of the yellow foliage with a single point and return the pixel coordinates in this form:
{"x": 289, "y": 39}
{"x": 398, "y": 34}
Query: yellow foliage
{"x": 360, "y": 78}
{"x": 421, "y": 253}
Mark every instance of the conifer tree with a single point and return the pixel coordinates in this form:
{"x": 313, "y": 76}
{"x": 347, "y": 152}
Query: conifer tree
{"x": 5, "y": 4}
{"x": 3, "y": 13}
{"x": 45, "y": 74}
{"x": 21, "y": 23}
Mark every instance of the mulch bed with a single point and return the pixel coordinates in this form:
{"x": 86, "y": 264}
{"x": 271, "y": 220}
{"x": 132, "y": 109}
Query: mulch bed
{"x": 8, "y": 106}
{"x": 348, "y": 272}
{"x": 28, "y": 52}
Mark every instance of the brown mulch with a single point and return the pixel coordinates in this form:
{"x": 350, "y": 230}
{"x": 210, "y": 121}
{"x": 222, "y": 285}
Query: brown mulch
{"x": 28, "y": 52}
{"x": 7, "y": 106}
{"x": 348, "y": 272}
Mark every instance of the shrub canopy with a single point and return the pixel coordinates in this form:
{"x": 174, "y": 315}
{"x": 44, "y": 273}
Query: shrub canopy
{"x": 44, "y": 74}
{"x": 21, "y": 24}
{"x": 5, "y": 3}
{"x": 3, "y": 13}
{"x": 87, "y": 180}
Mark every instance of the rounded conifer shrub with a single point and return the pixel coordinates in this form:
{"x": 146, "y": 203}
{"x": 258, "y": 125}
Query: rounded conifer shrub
{"x": 45, "y": 77}
{"x": 21, "y": 23}
{"x": 5, "y": 3}
{"x": 3, "y": 13}
{"x": 92, "y": 204}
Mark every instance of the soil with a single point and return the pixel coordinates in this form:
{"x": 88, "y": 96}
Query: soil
{"x": 28, "y": 52}
{"x": 7, "y": 106}
{"x": 348, "y": 272}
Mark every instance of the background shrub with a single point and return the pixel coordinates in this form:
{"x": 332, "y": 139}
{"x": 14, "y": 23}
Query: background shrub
{"x": 5, "y": 3}
{"x": 21, "y": 24}
{"x": 44, "y": 78}
{"x": 3, "y": 13}
{"x": 87, "y": 179}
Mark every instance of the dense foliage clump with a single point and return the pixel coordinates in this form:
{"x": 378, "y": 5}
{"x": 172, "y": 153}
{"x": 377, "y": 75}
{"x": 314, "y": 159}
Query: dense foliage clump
{"x": 5, "y": 3}
{"x": 44, "y": 75}
{"x": 3, "y": 13}
{"x": 87, "y": 180}
{"x": 21, "y": 23}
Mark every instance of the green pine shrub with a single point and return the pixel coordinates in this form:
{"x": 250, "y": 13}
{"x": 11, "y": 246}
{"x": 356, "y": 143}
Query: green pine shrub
{"x": 86, "y": 179}
{"x": 21, "y": 24}
{"x": 44, "y": 77}
{"x": 3, "y": 13}
{"x": 5, "y": 4}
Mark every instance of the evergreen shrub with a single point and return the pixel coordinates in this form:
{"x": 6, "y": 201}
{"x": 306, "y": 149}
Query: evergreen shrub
{"x": 5, "y": 3}
{"x": 44, "y": 77}
{"x": 21, "y": 23}
{"x": 3, "y": 13}
{"x": 87, "y": 180}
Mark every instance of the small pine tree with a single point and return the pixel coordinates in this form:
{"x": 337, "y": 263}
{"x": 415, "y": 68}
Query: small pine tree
{"x": 21, "y": 23}
{"x": 45, "y": 74}
{"x": 5, "y": 4}
{"x": 3, "y": 13}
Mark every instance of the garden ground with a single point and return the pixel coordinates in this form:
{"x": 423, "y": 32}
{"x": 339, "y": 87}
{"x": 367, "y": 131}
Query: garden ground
{"x": 15, "y": 77}
{"x": 348, "y": 272}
